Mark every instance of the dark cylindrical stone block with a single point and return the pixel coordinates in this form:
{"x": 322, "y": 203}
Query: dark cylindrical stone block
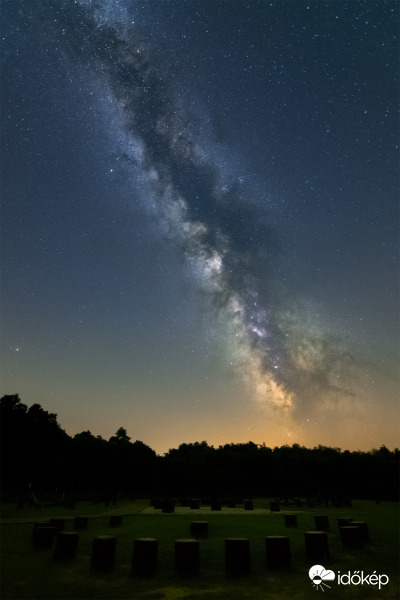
{"x": 342, "y": 521}
{"x": 66, "y": 545}
{"x": 58, "y": 524}
{"x": 352, "y": 537}
{"x": 144, "y": 557}
{"x": 168, "y": 506}
{"x": 115, "y": 520}
{"x": 277, "y": 549}
{"x": 290, "y": 520}
{"x": 40, "y": 524}
{"x": 199, "y": 528}
{"x": 215, "y": 505}
{"x": 248, "y": 505}
{"x": 103, "y": 552}
{"x": 43, "y": 535}
{"x": 364, "y": 529}
{"x": 81, "y": 523}
{"x": 321, "y": 522}
{"x": 317, "y": 546}
{"x": 237, "y": 557}
{"x": 195, "y": 503}
{"x": 274, "y": 507}
{"x": 187, "y": 557}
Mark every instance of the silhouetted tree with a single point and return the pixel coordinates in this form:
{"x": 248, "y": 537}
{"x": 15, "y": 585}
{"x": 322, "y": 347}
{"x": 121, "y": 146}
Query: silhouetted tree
{"x": 34, "y": 448}
{"x": 33, "y": 445}
{"x": 121, "y": 436}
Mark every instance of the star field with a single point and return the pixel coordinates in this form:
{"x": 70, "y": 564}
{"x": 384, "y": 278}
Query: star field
{"x": 200, "y": 218}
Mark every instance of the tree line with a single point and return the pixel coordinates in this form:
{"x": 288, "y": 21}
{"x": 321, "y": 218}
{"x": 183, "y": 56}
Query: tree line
{"x": 37, "y": 454}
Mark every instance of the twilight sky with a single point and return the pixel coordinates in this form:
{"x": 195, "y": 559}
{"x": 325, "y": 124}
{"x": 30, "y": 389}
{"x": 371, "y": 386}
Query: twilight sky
{"x": 200, "y": 219}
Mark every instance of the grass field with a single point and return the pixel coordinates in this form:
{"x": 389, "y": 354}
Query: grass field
{"x": 28, "y": 573}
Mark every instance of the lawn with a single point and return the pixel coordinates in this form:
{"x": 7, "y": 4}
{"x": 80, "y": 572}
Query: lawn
{"x": 28, "y": 573}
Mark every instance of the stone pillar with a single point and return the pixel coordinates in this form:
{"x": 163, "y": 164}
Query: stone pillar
{"x": 59, "y": 524}
{"x": 168, "y": 506}
{"x": 66, "y": 545}
{"x": 43, "y": 535}
{"x": 199, "y": 528}
{"x": 277, "y": 549}
{"x": 103, "y": 552}
{"x": 321, "y": 522}
{"x": 364, "y": 529}
{"x": 290, "y": 520}
{"x": 352, "y": 536}
{"x": 144, "y": 557}
{"x": 187, "y": 557}
{"x": 342, "y": 521}
{"x": 237, "y": 557}
{"x": 81, "y": 523}
{"x": 115, "y": 521}
{"x": 317, "y": 546}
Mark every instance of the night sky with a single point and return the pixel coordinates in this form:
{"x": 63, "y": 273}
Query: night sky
{"x": 199, "y": 219}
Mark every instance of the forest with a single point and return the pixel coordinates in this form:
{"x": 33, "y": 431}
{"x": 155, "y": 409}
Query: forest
{"x": 39, "y": 459}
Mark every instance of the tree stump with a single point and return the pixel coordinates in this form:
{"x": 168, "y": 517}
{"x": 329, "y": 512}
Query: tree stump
{"x": 43, "y": 535}
{"x": 40, "y": 524}
{"x": 199, "y": 528}
{"x": 168, "y": 506}
{"x": 195, "y": 503}
{"x": 81, "y": 523}
{"x": 248, "y": 505}
{"x": 103, "y": 552}
{"x": 187, "y": 557}
{"x": 317, "y": 546}
{"x": 274, "y": 506}
{"x": 277, "y": 549}
{"x": 59, "y": 524}
{"x": 290, "y": 520}
{"x": 321, "y": 522}
{"x": 237, "y": 557}
{"x": 144, "y": 557}
{"x": 352, "y": 536}
{"x": 364, "y": 529}
{"x": 342, "y": 521}
{"x": 66, "y": 545}
{"x": 115, "y": 521}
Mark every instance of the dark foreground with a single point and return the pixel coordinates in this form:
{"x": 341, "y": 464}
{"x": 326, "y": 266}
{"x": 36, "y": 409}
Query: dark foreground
{"x": 368, "y": 572}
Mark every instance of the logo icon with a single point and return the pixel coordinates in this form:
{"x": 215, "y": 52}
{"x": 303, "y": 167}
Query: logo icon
{"x": 318, "y": 575}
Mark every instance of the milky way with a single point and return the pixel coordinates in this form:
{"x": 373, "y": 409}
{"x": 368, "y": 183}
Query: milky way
{"x": 227, "y": 240}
